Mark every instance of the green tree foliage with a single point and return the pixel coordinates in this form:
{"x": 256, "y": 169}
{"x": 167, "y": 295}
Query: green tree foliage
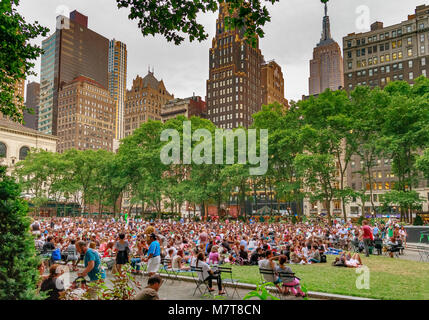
{"x": 418, "y": 221}
{"x": 16, "y": 56}
{"x": 174, "y": 18}
{"x": 18, "y": 260}
{"x": 406, "y": 200}
{"x": 311, "y": 146}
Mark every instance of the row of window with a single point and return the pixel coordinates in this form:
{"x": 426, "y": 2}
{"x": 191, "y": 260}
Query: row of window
{"x": 377, "y": 175}
{"x": 386, "y": 80}
{"x": 384, "y": 35}
{"x": 387, "y": 69}
{"x": 23, "y": 151}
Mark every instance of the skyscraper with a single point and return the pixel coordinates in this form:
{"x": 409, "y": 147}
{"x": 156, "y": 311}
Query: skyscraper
{"x": 86, "y": 113}
{"x": 118, "y": 82}
{"x": 79, "y": 51}
{"x": 326, "y": 67}
{"x": 32, "y": 102}
{"x": 47, "y": 85}
{"x": 234, "y": 86}
{"x": 144, "y": 102}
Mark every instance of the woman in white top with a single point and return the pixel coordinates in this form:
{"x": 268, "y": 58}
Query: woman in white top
{"x": 177, "y": 262}
{"x": 353, "y": 262}
{"x": 208, "y": 274}
{"x": 252, "y": 245}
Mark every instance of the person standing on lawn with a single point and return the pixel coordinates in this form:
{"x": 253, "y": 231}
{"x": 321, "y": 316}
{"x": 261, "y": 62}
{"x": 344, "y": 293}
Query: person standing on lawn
{"x": 367, "y": 236}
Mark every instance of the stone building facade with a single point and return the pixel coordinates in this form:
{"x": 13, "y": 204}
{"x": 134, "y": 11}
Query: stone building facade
{"x": 144, "y": 102}
{"x": 86, "y": 116}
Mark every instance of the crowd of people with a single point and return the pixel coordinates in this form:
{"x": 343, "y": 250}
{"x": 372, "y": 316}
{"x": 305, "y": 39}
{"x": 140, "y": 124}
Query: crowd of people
{"x": 185, "y": 245}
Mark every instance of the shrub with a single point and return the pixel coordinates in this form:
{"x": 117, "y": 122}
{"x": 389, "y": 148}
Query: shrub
{"x": 124, "y": 287}
{"x": 261, "y": 292}
{"x": 18, "y": 260}
{"x": 418, "y": 221}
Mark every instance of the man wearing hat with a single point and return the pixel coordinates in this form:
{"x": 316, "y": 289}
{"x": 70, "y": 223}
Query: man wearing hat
{"x": 154, "y": 256}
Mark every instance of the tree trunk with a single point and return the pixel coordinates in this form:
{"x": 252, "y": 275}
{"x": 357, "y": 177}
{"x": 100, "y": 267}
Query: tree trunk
{"x": 255, "y": 195}
{"x": 370, "y": 189}
{"x": 328, "y": 208}
{"x": 271, "y": 199}
{"x": 195, "y": 210}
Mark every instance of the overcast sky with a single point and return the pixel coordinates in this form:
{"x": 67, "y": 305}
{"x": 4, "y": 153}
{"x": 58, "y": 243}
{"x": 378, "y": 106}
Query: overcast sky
{"x": 290, "y": 37}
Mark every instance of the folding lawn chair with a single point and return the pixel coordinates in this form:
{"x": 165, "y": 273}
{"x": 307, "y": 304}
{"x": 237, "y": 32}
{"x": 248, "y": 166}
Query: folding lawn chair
{"x": 230, "y": 280}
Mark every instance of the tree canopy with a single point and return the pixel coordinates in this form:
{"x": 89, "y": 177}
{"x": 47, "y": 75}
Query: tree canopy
{"x": 175, "y": 18}
{"x": 312, "y": 146}
{"x": 16, "y": 56}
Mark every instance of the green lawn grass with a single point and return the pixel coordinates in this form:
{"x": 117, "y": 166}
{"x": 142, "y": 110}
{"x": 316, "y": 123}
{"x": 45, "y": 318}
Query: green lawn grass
{"x": 390, "y": 279}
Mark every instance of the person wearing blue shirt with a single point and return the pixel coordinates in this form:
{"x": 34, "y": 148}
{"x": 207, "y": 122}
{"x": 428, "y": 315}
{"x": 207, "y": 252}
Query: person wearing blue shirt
{"x": 375, "y": 230}
{"x": 154, "y": 256}
{"x": 92, "y": 263}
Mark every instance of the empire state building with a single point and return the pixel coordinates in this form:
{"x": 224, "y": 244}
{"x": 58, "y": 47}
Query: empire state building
{"x": 326, "y": 67}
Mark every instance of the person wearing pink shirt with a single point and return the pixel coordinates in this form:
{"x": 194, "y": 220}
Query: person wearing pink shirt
{"x": 367, "y": 236}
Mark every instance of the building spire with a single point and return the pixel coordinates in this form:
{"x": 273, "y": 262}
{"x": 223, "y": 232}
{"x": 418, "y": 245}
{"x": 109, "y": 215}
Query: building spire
{"x": 326, "y": 33}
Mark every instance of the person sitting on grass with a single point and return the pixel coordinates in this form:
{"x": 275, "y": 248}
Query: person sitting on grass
{"x": 314, "y": 255}
{"x": 296, "y": 257}
{"x": 214, "y": 255}
{"x": 289, "y": 281}
{"x": 254, "y": 258}
{"x": 353, "y": 261}
{"x": 244, "y": 255}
